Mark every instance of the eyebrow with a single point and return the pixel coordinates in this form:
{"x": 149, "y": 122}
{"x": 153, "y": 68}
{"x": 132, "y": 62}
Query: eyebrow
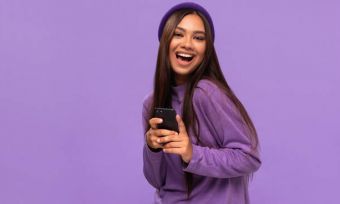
{"x": 195, "y": 32}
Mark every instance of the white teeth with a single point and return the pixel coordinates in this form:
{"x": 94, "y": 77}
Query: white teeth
{"x": 184, "y": 55}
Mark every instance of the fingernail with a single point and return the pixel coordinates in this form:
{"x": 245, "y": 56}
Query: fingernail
{"x": 158, "y": 140}
{"x": 160, "y": 120}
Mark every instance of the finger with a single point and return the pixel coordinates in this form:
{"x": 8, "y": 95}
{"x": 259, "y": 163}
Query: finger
{"x": 154, "y": 122}
{"x": 163, "y": 132}
{"x": 181, "y": 126}
{"x": 170, "y": 138}
{"x": 173, "y": 145}
{"x": 151, "y": 139}
{"x": 154, "y": 143}
{"x": 150, "y": 132}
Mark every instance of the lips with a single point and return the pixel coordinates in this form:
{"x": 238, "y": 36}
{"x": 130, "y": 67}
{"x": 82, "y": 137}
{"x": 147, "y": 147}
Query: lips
{"x": 184, "y": 58}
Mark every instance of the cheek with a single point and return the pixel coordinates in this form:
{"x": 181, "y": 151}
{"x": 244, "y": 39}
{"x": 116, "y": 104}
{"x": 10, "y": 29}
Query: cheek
{"x": 201, "y": 50}
{"x": 172, "y": 44}
{"x": 172, "y": 47}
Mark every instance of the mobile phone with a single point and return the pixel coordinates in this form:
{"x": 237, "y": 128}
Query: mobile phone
{"x": 169, "y": 118}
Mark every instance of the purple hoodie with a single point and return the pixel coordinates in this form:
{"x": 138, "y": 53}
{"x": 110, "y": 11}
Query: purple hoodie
{"x": 220, "y": 166}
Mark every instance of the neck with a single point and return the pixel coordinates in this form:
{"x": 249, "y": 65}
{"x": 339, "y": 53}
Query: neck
{"x": 180, "y": 80}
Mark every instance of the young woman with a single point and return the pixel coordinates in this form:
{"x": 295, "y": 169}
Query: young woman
{"x": 215, "y": 151}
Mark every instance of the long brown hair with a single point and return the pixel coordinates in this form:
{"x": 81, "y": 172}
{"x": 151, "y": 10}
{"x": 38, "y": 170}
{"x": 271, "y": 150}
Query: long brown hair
{"x": 209, "y": 68}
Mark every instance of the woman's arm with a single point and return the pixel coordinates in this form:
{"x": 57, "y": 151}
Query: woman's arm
{"x": 154, "y": 166}
{"x": 234, "y": 157}
{"x": 222, "y": 163}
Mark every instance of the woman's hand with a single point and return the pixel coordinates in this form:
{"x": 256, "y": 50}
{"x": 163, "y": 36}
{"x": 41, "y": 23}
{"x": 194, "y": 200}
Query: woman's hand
{"x": 153, "y": 135}
{"x": 178, "y": 143}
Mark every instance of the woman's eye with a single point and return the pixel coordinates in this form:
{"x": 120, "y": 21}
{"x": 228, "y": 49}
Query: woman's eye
{"x": 178, "y": 35}
{"x": 200, "y": 38}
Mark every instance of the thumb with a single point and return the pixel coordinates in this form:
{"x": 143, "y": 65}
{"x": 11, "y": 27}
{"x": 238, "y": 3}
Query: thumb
{"x": 181, "y": 126}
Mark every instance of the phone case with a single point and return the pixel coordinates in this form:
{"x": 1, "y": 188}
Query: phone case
{"x": 169, "y": 118}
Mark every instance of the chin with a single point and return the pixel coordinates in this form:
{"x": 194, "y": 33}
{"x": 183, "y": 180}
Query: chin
{"x": 182, "y": 71}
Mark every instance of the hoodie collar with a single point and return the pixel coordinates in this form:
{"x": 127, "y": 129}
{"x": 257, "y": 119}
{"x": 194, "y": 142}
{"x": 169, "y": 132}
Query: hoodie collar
{"x": 179, "y": 92}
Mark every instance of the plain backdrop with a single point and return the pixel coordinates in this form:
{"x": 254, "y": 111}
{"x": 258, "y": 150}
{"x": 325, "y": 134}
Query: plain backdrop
{"x": 73, "y": 75}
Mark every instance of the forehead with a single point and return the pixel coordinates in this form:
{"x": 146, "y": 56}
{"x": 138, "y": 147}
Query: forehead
{"x": 192, "y": 22}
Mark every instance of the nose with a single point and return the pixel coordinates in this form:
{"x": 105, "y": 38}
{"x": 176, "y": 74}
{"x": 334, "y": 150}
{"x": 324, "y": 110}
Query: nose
{"x": 187, "y": 43}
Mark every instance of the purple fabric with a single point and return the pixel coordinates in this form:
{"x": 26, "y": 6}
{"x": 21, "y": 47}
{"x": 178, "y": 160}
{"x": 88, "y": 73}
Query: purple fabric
{"x": 220, "y": 163}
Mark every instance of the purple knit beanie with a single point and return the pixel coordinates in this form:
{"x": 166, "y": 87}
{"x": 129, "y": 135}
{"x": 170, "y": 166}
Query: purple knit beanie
{"x": 186, "y": 5}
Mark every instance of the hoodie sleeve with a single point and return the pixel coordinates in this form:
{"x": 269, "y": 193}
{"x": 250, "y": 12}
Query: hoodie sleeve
{"x": 234, "y": 156}
{"x": 154, "y": 166}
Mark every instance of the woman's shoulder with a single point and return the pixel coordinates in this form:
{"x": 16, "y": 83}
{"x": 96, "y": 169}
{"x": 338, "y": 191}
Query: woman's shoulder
{"x": 206, "y": 84}
{"x": 207, "y": 88}
{"x": 210, "y": 97}
{"x": 208, "y": 93}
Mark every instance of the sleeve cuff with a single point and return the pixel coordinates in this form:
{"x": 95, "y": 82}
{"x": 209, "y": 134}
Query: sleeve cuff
{"x": 196, "y": 155}
{"x": 153, "y": 154}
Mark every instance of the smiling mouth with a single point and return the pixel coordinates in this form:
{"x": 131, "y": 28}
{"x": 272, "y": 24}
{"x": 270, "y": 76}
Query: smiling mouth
{"x": 184, "y": 56}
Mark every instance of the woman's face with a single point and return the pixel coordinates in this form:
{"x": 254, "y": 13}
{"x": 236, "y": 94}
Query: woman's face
{"x": 187, "y": 47}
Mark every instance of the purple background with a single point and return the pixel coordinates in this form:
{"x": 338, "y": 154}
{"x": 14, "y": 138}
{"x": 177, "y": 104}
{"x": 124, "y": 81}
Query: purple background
{"x": 73, "y": 74}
